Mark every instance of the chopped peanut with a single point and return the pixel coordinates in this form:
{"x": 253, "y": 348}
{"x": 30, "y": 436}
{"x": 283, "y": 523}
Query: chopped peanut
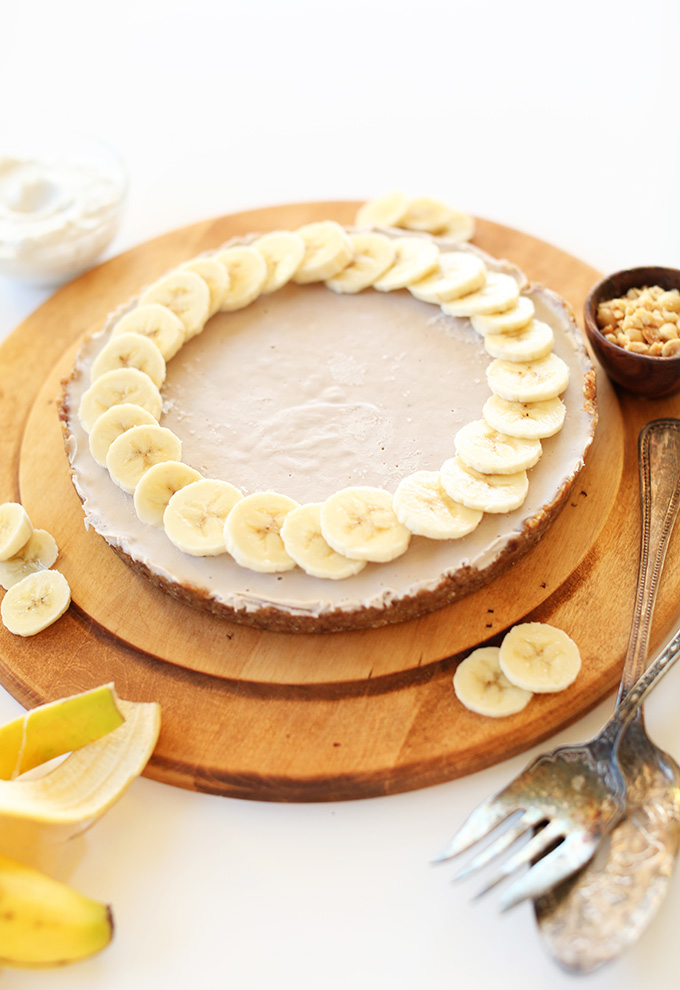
{"x": 645, "y": 321}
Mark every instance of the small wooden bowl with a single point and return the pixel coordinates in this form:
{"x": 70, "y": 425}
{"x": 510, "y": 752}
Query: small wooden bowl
{"x": 647, "y": 375}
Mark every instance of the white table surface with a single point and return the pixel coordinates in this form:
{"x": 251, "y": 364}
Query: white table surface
{"x": 560, "y": 120}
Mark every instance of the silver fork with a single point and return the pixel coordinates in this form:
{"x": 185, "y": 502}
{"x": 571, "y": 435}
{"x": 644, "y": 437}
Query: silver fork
{"x": 571, "y": 798}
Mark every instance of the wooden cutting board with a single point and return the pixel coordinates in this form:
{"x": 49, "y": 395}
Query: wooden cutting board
{"x": 306, "y": 718}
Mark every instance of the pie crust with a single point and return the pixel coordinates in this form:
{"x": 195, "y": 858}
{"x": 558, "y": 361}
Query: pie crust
{"x": 305, "y": 392}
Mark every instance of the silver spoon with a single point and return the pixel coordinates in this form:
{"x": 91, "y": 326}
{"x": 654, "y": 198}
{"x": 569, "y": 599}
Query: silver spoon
{"x": 591, "y": 918}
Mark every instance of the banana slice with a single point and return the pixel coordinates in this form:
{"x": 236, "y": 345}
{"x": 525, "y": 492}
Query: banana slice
{"x": 533, "y": 342}
{"x": 538, "y": 657}
{"x": 139, "y": 448}
{"x": 532, "y": 420}
{"x": 360, "y": 523}
{"x": 35, "y": 602}
{"x": 252, "y": 532}
{"x": 37, "y": 554}
{"x": 499, "y": 292}
{"x": 426, "y": 214}
{"x": 109, "y": 426}
{"x": 45, "y": 922}
{"x": 247, "y": 271}
{"x": 215, "y": 276}
{"x": 373, "y": 255}
{"x": 304, "y": 542}
{"x": 156, "y": 322}
{"x": 528, "y": 381}
{"x": 127, "y": 385}
{"x": 385, "y": 211}
{"x": 486, "y": 450}
{"x": 283, "y": 252}
{"x": 515, "y": 318}
{"x": 485, "y": 492}
{"x": 186, "y": 294}
{"x": 15, "y": 529}
{"x": 459, "y": 227}
{"x": 414, "y": 259}
{"x": 423, "y": 506}
{"x": 328, "y": 250}
{"x": 157, "y": 486}
{"x": 481, "y": 685}
{"x": 130, "y": 350}
{"x": 458, "y": 274}
{"x": 195, "y": 516}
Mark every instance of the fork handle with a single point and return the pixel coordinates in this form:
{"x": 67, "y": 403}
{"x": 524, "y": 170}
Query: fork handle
{"x": 613, "y": 729}
{"x": 659, "y": 474}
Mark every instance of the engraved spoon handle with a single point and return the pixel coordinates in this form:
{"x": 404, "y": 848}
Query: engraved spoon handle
{"x": 659, "y": 471}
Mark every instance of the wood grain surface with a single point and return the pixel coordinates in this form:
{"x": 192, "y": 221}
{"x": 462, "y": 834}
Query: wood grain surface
{"x": 275, "y": 717}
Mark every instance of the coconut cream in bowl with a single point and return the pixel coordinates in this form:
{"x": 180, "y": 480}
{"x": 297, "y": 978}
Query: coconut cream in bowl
{"x": 61, "y": 201}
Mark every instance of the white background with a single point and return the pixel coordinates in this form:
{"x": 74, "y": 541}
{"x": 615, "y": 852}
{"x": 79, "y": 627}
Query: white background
{"x": 558, "y": 119}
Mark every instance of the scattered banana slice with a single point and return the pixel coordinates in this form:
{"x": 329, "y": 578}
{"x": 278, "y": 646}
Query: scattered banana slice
{"x": 515, "y": 318}
{"x": 373, "y": 255}
{"x": 304, "y": 542}
{"x": 156, "y": 322}
{"x": 360, "y": 523}
{"x": 459, "y": 227}
{"x": 252, "y": 532}
{"x": 481, "y": 685}
{"x": 458, "y": 274}
{"x": 532, "y": 343}
{"x": 15, "y": 529}
{"x": 283, "y": 252}
{"x": 485, "y": 492}
{"x": 215, "y": 276}
{"x": 385, "y": 211}
{"x": 115, "y": 388}
{"x": 486, "y": 450}
{"x": 426, "y": 214}
{"x": 139, "y": 448}
{"x": 157, "y": 486}
{"x": 130, "y": 350}
{"x": 414, "y": 259}
{"x": 109, "y": 426}
{"x": 186, "y": 294}
{"x": 247, "y": 271}
{"x": 532, "y": 420}
{"x": 37, "y": 554}
{"x": 328, "y": 250}
{"x": 528, "y": 381}
{"x": 45, "y": 922}
{"x": 56, "y": 728}
{"x": 195, "y": 516}
{"x": 35, "y": 602}
{"x": 499, "y": 292}
{"x": 422, "y": 505}
{"x": 538, "y": 657}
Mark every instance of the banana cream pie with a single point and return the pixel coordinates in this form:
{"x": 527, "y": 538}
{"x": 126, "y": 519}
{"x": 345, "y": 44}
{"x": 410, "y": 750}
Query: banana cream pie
{"x": 310, "y": 460}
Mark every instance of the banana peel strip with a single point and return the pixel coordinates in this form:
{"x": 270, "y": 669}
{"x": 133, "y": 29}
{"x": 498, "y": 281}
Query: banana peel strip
{"x": 56, "y": 728}
{"x": 90, "y": 780}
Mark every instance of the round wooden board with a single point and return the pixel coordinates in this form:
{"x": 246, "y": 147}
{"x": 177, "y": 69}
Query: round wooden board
{"x": 275, "y": 717}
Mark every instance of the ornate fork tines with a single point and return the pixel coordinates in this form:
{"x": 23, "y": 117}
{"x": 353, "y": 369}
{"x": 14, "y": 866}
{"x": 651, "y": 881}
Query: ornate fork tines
{"x": 576, "y": 793}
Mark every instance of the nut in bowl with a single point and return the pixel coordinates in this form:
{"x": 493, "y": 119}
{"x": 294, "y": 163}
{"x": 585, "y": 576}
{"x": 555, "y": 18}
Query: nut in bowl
{"x": 633, "y": 331}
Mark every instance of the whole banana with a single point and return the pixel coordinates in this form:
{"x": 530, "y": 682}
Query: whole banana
{"x": 44, "y": 922}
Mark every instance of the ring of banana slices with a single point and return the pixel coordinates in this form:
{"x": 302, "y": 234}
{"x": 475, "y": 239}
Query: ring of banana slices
{"x": 268, "y": 531}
